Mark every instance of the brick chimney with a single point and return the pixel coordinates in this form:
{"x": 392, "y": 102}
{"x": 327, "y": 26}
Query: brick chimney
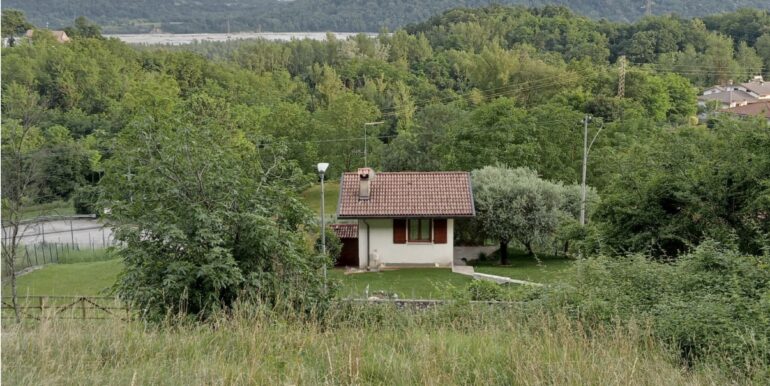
{"x": 365, "y": 177}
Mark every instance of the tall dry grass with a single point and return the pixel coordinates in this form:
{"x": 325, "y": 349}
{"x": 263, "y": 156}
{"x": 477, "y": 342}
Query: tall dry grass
{"x": 383, "y": 346}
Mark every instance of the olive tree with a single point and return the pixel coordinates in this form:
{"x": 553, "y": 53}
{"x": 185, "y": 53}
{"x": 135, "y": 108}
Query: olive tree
{"x": 516, "y": 205}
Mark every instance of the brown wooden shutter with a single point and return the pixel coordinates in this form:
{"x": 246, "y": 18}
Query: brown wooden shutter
{"x": 399, "y": 231}
{"x": 439, "y": 231}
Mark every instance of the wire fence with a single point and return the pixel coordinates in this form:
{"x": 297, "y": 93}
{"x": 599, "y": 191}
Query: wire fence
{"x": 35, "y": 255}
{"x": 67, "y": 307}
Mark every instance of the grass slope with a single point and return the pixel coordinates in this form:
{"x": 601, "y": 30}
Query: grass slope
{"x": 56, "y": 208}
{"x": 373, "y": 346}
{"x": 312, "y": 197}
{"x": 549, "y": 269}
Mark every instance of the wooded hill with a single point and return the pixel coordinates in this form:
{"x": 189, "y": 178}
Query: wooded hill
{"x": 180, "y": 16}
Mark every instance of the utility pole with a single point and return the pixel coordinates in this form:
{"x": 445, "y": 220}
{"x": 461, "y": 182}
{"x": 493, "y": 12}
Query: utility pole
{"x": 585, "y": 168}
{"x": 648, "y": 8}
{"x": 621, "y": 76}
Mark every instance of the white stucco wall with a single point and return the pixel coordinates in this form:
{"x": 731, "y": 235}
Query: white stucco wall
{"x": 381, "y": 240}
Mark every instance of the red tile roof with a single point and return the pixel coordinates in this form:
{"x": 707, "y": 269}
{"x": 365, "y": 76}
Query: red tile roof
{"x": 345, "y": 231}
{"x": 759, "y": 109}
{"x": 408, "y": 194}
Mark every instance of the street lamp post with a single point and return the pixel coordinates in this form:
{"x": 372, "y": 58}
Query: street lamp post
{"x": 366, "y": 137}
{"x": 321, "y": 170}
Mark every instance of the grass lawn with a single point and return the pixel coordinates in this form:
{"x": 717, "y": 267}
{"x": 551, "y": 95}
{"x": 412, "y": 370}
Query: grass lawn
{"x": 56, "y": 208}
{"x": 87, "y": 279}
{"x": 408, "y": 283}
{"x": 312, "y": 197}
{"x": 90, "y": 278}
{"x": 550, "y": 269}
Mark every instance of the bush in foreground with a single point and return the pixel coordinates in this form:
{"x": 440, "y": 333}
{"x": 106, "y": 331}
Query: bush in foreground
{"x": 711, "y": 304}
{"x": 209, "y": 221}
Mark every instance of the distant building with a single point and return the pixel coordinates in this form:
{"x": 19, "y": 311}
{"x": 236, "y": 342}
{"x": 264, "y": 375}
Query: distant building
{"x": 727, "y": 97}
{"x": 759, "y": 109}
{"x": 750, "y": 98}
{"x": 757, "y": 88}
{"x": 60, "y": 36}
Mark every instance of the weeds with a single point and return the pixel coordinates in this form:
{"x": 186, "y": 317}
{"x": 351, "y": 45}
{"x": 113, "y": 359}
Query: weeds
{"x": 447, "y": 345}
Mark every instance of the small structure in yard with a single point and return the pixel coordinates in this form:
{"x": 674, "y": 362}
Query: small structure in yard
{"x": 405, "y": 218}
{"x": 348, "y": 235}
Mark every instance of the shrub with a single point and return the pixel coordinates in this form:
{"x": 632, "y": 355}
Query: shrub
{"x": 484, "y": 290}
{"x": 85, "y": 199}
{"x": 333, "y": 244}
{"x": 711, "y": 303}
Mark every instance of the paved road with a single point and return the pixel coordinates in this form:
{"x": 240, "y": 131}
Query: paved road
{"x": 83, "y": 232}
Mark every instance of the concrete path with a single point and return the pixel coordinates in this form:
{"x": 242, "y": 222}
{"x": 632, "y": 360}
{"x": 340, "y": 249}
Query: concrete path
{"x": 468, "y": 270}
{"x": 463, "y": 270}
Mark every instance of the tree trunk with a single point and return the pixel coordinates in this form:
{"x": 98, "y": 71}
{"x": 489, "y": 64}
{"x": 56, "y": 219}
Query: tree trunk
{"x": 504, "y": 253}
{"x": 15, "y": 295}
{"x": 528, "y": 244}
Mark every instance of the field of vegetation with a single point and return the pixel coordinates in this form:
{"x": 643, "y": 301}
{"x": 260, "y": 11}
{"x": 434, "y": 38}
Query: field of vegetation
{"x": 446, "y": 346}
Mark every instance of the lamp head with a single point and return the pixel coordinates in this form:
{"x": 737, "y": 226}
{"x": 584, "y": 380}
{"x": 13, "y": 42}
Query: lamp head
{"x": 322, "y": 167}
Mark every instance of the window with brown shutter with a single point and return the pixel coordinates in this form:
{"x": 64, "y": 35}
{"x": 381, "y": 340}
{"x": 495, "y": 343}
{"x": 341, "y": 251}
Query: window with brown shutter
{"x": 439, "y": 231}
{"x": 419, "y": 230}
{"x": 399, "y": 231}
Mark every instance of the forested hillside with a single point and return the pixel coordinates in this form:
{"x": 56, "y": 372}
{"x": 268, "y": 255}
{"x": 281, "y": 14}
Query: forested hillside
{"x": 180, "y": 16}
{"x": 461, "y": 91}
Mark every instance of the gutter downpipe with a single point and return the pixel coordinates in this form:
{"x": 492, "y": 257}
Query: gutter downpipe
{"x": 368, "y": 263}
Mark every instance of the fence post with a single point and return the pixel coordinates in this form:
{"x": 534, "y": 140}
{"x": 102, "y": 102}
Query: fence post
{"x": 103, "y": 241}
{"x": 83, "y": 307}
{"x": 72, "y": 233}
{"x": 50, "y": 253}
{"x": 42, "y": 306}
{"x": 34, "y": 249}
{"x": 42, "y": 230}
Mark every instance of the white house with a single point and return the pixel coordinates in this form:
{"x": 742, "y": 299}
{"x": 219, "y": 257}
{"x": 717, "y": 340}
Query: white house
{"x": 405, "y": 218}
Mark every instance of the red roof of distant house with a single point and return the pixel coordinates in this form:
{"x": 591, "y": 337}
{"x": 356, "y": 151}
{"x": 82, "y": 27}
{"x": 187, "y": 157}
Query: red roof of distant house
{"x": 759, "y": 109}
{"x": 345, "y": 231}
{"x": 408, "y": 194}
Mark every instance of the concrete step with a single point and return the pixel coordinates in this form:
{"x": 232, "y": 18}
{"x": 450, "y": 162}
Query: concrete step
{"x": 502, "y": 279}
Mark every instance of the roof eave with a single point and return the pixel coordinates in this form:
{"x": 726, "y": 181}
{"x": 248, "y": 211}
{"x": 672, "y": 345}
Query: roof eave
{"x": 352, "y": 217}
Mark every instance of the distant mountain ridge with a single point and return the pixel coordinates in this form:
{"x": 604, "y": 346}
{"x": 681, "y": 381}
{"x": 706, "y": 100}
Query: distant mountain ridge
{"x": 180, "y": 16}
